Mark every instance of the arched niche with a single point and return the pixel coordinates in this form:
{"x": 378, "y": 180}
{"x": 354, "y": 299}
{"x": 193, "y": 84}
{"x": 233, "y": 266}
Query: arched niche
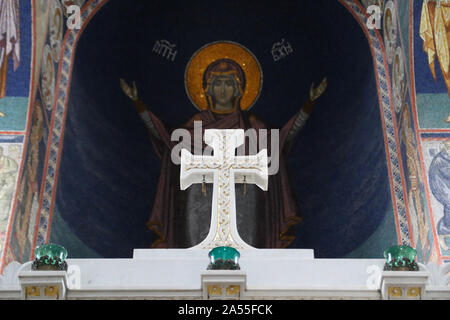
{"x": 101, "y": 170}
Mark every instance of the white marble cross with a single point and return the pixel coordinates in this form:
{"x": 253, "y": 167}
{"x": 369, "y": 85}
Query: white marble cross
{"x": 223, "y": 169}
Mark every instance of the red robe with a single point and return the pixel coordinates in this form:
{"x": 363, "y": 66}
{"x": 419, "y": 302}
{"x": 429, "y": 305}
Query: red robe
{"x": 278, "y": 213}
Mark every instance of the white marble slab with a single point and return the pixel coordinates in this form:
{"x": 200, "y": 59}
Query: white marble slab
{"x": 290, "y": 274}
{"x": 258, "y": 254}
{"x": 172, "y": 269}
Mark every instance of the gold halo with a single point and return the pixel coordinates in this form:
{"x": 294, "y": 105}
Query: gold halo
{"x": 206, "y": 55}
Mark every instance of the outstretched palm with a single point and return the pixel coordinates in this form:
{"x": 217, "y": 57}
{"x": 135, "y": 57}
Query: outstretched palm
{"x": 316, "y": 92}
{"x": 131, "y": 92}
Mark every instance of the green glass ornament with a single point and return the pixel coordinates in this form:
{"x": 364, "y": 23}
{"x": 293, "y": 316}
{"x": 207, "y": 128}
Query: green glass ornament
{"x": 400, "y": 258}
{"x": 224, "y": 258}
{"x": 50, "y": 257}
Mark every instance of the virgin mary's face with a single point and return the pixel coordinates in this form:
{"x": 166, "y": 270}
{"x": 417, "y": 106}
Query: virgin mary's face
{"x": 223, "y": 90}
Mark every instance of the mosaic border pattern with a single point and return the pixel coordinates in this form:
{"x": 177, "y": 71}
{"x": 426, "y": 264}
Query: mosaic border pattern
{"x": 389, "y": 125}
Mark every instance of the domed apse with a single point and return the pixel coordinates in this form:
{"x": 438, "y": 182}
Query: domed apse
{"x": 109, "y": 170}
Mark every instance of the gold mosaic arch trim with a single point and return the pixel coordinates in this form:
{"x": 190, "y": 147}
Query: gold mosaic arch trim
{"x": 223, "y": 50}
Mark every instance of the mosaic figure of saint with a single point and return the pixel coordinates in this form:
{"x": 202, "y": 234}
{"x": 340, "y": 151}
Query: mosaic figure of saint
{"x": 8, "y": 171}
{"x": 28, "y": 199}
{"x": 9, "y": 39}
{"x": 435, "y": 33}
{"x": 439, "y": 176}
{"x": 48, "y": 78}
{"x": 398, "y": 80}
{"x": 56, "y": 29}
{"x": 390, "y": 30}
{"x": 223, "y": 80}
{"x": 415, "y": 178}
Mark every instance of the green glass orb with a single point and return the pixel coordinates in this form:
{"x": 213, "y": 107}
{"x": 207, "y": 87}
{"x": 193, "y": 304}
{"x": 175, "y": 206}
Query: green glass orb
{"x": 52, "y": 251}
{"x": 224, "y": 254}
{"x": 398, "y": 253}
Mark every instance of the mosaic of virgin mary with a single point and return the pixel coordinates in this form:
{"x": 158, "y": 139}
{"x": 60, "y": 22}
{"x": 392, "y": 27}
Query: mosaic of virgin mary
{"x": 223, "y": 80}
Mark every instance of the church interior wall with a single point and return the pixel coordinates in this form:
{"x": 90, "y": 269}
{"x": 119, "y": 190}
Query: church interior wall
{"x": 83, "y": 94}
{"x": 39, "y": 114}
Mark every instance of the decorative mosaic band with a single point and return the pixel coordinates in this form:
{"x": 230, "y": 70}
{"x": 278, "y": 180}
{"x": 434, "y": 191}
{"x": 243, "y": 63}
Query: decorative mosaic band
{"x": 60, "y": 106}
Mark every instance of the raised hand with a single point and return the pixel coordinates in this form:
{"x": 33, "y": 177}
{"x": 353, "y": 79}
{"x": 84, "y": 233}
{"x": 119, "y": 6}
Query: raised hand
{"x": 316, "y": 92}
{"x": 131, "y": 92}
